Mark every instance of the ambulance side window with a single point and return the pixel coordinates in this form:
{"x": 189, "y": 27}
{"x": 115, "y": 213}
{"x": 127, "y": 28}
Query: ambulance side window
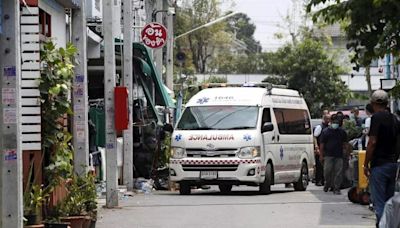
{"x": 266, "y": 117}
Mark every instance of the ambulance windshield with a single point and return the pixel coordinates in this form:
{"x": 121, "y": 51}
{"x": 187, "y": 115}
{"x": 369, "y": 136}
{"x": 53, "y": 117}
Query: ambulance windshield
{"x": 219, "y": 118}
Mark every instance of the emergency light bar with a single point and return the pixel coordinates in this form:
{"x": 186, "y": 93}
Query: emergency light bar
{"x": 268, "y": 86}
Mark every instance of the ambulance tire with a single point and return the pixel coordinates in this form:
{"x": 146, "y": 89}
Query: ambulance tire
{"x": 184, "y": 188}
{"x": 302, "y": 183}
{"x": 225, "y": 188}
{"x": 265, "y": 187}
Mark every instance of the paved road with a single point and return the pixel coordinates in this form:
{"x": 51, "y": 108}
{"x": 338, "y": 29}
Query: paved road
{"x": 242, "y": 208}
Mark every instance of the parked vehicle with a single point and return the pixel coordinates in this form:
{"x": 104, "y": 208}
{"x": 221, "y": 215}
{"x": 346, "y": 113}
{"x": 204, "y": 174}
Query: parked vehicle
{"x": 243, "y": 136}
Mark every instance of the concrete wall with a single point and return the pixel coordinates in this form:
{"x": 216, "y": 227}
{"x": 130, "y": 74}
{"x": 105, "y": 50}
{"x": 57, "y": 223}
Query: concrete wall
{"x": 58, "y": 21}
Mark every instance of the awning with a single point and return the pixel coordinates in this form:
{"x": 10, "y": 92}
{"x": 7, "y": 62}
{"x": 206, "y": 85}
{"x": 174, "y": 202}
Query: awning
{"x": 154, "y": 74}
{"x": 148, "y": 69}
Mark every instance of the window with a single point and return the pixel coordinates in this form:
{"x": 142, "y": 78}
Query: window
{"x": 266, "y": 117}
{"x": 219, "y": 118}
{"x": 44, "y": 23}
{"x": 293, "y": 121}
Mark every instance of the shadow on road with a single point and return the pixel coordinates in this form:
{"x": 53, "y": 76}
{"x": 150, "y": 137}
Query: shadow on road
{"x": 236, "y": 193}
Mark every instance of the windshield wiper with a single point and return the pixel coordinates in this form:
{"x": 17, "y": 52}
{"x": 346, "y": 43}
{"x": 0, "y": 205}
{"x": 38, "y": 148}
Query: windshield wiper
{"x": 239, "y": 128}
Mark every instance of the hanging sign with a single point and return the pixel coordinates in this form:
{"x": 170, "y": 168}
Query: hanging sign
{"x": 154, "y": 35}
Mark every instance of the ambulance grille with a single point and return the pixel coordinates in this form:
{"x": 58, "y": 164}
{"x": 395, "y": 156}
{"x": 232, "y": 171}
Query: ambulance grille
{"x": 209, "y": 154}
{"x": 210, "y": 167}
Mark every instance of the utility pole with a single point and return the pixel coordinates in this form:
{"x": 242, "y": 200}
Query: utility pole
{"x": 80, "y": 94}
{"x": 109, "y": 85}
{"x": 128, "y": 80}
{"x": 158, "y": 53}
{"x": 10, "y": 143}
{"x": 169, "y": 78}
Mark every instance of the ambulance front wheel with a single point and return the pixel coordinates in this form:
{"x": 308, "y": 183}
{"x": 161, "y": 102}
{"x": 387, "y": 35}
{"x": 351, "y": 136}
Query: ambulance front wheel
{"x": 225, "y": 188}
{"x": 302, "y": 183}
{"x": 184, "y": 188}
{"x": 265, "y": 187}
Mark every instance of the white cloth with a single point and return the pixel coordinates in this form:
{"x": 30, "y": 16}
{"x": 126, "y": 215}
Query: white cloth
{"x": 317, "y": 131}
{"x": 366, "y": 130}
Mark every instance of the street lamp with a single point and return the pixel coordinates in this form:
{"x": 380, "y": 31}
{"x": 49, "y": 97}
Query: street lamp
{"x": 207, "y": 24}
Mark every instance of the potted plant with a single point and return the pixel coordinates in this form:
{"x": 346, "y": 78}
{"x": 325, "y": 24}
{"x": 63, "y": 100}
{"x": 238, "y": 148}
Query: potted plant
{"x": 89, "y": 190}
{"x": 55, "y": 87}
{"x": 80, "y": 206}
{"x": 33, "y": 201}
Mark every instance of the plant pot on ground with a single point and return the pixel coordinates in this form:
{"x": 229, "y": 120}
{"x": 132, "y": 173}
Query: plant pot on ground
{"x": 34, "y": 197}
{"x": 56, "y": 224}
{"x": 80, "y": 206}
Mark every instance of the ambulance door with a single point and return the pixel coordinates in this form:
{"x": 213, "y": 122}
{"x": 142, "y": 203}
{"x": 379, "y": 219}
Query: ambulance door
{"x": 268, "y": 130}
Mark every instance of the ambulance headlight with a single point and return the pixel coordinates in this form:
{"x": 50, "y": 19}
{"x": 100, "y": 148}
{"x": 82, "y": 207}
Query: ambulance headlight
{"x": 249, "y": 152}
{"x": 178, "y": 152}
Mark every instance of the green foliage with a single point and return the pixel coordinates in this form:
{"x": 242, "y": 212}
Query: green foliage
{"x": 308, "y": 68}
{"x": 55, "y": 85}
{"x": 215, "y": 79}
{"x": 352, "y": 130}
{"x": 81, "y": 198}
{"x": 395, "y": 92}
{"x": 33, "y": 200}
{"x": 201, "y": 45}
{"x": 372, "y": 26}
{"x": 244, "y": 29}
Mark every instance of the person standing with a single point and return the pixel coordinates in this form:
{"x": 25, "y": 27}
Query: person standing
{"x": 381, "y": 158}
{"x": 319, "y": 168}
{"x": 333, "y": 141}
{"x": 355, "y": 115}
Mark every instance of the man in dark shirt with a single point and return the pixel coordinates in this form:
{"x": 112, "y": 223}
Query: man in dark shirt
{"x": 381, "y": 159}
{"x": 333, "y": 140}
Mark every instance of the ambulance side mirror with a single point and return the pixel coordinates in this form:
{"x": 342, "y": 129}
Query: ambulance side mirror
{"x": 267, "y": 127}
{"x": 168, "y": 128}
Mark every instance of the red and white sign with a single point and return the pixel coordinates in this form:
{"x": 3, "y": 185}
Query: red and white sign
{"x": 154, "y": 35}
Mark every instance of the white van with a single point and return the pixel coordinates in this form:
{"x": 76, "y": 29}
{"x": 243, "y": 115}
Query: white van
{"x": 243, "y": 136}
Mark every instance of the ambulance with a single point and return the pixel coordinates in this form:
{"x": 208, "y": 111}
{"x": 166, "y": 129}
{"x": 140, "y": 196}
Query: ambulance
{"x": 254, "y": 135}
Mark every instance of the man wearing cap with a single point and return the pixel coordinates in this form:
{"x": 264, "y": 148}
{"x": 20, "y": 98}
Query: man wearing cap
{"x": 381, "y": 158}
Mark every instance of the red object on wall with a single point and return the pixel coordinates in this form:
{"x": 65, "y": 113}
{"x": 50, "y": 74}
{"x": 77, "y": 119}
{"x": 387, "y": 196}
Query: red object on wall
{"x": 121, "y": 115}
{"x": 30, "y": 2}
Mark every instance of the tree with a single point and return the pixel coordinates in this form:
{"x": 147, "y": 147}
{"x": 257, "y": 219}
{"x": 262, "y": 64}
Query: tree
{"x": 216, "y": 79}
{"x": 308, "y": 68}
{"x": 372, "y": 26}
{"x": 243, "y": 29}
{"x": 201, "y": 44}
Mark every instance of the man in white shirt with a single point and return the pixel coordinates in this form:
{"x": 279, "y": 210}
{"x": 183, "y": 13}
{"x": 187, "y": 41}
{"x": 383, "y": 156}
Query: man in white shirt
{"x": 319, "y": 169}
{"x": 369, "y": 110}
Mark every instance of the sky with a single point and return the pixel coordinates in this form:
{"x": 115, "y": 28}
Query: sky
{"x": 266, "y": 15}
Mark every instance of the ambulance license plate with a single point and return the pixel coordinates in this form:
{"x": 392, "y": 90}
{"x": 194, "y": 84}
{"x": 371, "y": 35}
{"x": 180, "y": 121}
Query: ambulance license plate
{"x": 208, "y": 175}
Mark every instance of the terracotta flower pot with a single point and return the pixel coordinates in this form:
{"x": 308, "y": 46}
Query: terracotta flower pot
{"x": 75, "y": 221}
{"x": 57, "y": 225}
{"x": 86, "y": 222}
